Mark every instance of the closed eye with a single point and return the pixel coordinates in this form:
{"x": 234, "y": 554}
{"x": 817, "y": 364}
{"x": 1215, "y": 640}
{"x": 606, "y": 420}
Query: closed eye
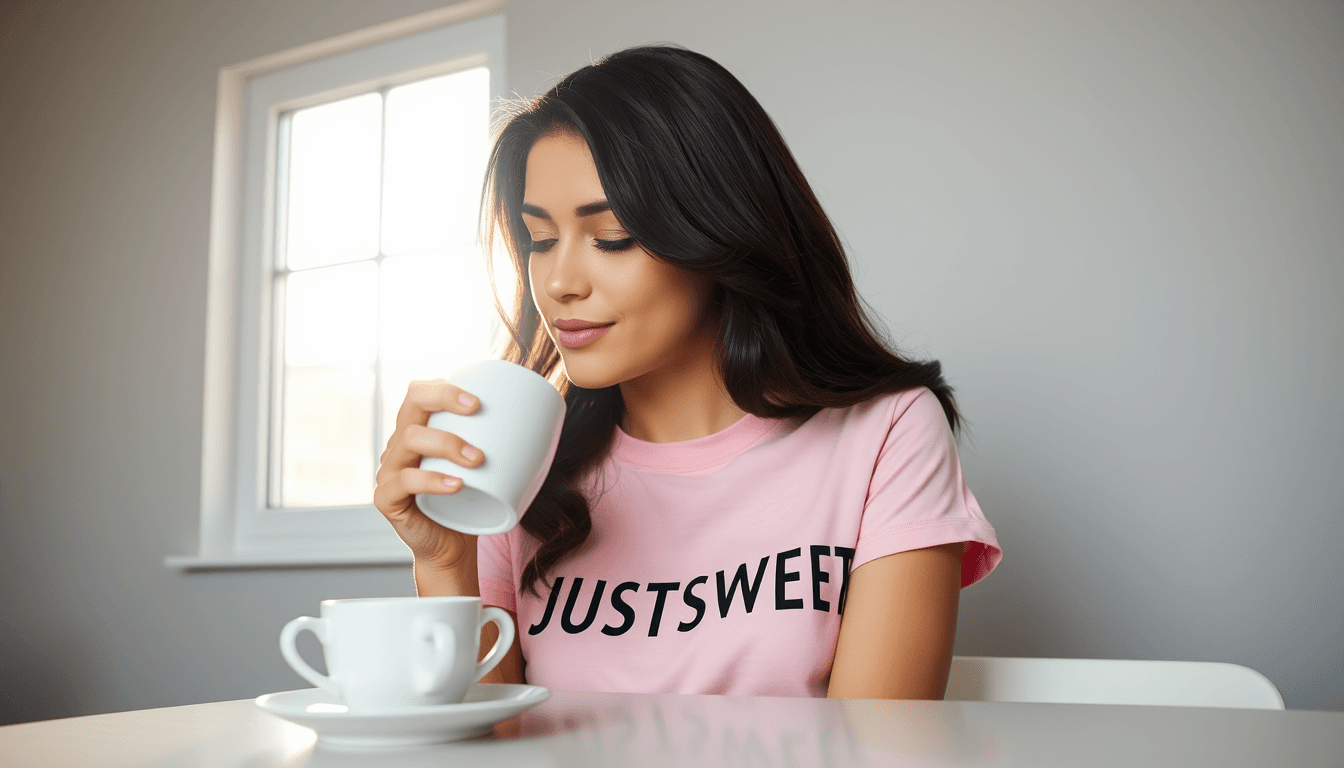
{"x": 624, "y": 244}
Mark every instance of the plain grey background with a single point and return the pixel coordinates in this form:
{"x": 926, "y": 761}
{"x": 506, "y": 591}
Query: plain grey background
{"x": 1117, "y": 224}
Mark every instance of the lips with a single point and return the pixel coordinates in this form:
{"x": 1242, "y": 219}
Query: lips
{"x": 580, "y": 333}
{"x": 577, "y": 325}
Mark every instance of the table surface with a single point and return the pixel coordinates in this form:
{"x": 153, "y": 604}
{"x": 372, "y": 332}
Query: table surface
{"x": 614, "y": 729}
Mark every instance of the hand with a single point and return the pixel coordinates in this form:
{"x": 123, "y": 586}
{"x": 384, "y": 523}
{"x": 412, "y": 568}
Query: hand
{"x": 400, "y": 477}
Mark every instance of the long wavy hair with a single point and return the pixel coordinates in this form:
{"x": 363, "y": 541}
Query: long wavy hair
{"x": 698, "y": 174}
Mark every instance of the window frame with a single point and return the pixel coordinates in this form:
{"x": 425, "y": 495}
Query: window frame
{"x": 236, "y": 527}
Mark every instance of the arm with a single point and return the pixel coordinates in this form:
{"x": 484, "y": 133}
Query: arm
{"x": 445, "y": 560}
{"x": 463, "y": 581}
{"x": 899, "y": 625}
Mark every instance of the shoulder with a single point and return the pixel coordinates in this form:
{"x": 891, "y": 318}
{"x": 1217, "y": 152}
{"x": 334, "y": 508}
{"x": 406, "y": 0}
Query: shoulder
{"x": 916, "y": 410}
{"x": 912, "y": 419}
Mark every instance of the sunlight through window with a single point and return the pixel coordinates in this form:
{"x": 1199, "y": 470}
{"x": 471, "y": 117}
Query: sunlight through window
{"x": 380, "y": 279}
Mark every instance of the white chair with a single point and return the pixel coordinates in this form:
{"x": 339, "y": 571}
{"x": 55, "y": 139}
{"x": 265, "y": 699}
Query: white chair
{"x": 1110, "y": 681}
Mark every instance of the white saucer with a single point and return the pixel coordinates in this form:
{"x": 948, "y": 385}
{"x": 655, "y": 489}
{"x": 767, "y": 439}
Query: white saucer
{"x": 339, "y": 728}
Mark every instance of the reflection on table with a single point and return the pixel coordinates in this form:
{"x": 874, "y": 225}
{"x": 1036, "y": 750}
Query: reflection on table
{"x": 605, "y": 729}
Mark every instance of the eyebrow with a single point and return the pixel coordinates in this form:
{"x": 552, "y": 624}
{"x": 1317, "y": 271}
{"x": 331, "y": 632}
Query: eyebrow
{"x": 583, "y": 210}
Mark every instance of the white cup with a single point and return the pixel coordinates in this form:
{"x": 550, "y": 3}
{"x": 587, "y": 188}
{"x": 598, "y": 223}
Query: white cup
{"x": 517, "y": 427}
{"x": 399, "y": 652}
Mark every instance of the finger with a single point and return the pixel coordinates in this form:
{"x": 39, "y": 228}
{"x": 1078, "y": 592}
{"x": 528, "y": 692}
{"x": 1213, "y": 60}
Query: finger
{"x": 417, "y": 441}
{"x": 415, "y": 481}
{"x": 427, "y": 441}
{"x": 395, "y": 496}
{"x": 424, "y": 397}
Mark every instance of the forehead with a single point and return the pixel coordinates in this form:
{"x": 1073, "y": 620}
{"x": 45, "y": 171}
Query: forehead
{"x": 560, "y": 170}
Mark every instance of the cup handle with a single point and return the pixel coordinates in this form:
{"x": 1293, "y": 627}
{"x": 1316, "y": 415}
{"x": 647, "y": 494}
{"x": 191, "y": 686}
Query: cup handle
{"x": 434, "y": 678}
{"x": 290, "y": 634}
{"x": 502, "y": 644}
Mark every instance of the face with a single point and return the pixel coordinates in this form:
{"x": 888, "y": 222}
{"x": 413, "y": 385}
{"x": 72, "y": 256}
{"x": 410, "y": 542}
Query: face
{"x": 585, "y": 269}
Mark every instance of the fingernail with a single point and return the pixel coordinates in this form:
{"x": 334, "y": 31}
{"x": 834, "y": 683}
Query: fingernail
{"x": 451, "y": 482}
{"x": 467, "y": 400}
{"x": 471, "y": 453}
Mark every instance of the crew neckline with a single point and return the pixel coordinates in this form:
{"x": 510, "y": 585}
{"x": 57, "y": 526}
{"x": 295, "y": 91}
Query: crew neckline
{"x": 696, "y": 455}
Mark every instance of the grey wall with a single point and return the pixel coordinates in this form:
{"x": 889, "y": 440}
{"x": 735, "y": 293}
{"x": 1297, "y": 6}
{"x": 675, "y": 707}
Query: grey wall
{"x": 1117, "y": 224}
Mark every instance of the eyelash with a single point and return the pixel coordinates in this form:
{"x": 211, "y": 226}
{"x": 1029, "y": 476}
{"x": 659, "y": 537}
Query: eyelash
{"x": 610, "y": 246}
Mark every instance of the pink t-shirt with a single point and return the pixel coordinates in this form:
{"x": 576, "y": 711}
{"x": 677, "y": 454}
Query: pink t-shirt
{"x": 720, "y": 564}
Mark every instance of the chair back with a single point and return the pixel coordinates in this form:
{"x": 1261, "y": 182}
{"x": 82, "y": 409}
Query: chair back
{"x": 1110, "y": 681}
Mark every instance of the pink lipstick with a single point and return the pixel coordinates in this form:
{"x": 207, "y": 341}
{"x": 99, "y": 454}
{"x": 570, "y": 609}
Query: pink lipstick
{"x": 579, "y": 333}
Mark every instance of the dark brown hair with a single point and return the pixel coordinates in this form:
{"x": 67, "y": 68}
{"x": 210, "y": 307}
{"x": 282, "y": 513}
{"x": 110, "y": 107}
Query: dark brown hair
{"x": 698, "y": 174}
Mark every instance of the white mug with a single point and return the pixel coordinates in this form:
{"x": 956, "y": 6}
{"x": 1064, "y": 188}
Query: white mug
{"x": 398, "y": 652}
{"x": 517, "y": 427}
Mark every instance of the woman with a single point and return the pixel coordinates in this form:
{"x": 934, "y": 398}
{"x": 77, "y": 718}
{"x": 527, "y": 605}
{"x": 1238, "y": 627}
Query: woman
{"x": 752, "y": 493}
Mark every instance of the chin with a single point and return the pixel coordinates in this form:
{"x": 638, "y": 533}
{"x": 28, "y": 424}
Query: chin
{"x": 589, "y": 376}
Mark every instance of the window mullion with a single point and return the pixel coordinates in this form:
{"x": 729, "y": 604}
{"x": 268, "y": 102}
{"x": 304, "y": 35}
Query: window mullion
{"x": 279, "y": 275}
{"x": 378, "y": 295}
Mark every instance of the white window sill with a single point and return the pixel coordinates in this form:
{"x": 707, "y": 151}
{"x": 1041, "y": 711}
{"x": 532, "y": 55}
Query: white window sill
{"x": 279, "y": 560}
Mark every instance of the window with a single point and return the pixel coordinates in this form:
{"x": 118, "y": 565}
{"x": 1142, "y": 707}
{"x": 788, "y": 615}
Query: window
{"x": 343, "y": 264}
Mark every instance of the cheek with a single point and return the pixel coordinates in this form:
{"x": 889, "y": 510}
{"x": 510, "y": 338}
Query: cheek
{"x": 535, "y": 279}
{"x": 676, "y": 308}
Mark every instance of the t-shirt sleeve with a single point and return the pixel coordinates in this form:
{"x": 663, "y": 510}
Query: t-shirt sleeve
{"x": 917, "y": 497}
{"x": 494, "y": 569}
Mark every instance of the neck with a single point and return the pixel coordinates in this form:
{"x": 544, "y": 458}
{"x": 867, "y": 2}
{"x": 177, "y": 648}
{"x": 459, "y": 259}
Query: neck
{"x": 680, "y": 400}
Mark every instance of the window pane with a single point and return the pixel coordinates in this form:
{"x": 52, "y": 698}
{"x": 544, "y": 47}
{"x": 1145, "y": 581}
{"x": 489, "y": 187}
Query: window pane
{"x": 331, "y": 316}
{"x": 328, "y": 421}
{"x": 332, "y": 195}
{"x": 437, "y": 134}
{"x": 437, "y": 315}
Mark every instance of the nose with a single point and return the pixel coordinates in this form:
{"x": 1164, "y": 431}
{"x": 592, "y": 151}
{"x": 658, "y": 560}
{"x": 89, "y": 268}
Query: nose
{"x": 567, "y": 275}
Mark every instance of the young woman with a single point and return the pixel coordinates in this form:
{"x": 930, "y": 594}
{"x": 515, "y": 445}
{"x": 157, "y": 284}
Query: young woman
{"x": 752, "y": 493}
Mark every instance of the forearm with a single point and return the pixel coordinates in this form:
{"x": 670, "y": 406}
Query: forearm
{"x": 462, "y": 580}
{"x": 458, "y": 579}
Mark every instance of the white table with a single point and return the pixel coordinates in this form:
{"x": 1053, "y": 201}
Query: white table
{"x": 607, "y": 729}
